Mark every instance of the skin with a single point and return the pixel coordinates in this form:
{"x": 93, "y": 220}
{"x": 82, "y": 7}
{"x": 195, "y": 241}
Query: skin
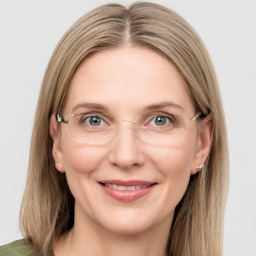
{"x": 126, "y": 80}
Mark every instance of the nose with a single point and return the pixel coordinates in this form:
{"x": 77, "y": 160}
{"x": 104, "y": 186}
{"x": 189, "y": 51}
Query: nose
{"x": 126, "y": 150}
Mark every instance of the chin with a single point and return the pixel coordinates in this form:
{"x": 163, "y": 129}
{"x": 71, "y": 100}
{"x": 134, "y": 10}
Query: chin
{"x": 131, "y": 223}
{"x": 128, "y": 228}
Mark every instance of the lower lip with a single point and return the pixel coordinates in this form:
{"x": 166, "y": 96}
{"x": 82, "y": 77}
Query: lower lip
{"x": 127, "y": 195}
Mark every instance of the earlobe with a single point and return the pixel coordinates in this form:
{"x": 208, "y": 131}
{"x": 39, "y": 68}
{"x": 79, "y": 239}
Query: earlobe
{"x": 204, "y": 144}
{"x": 56, "y": 145}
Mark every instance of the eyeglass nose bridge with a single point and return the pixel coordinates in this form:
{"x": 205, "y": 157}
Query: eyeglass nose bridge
{"x": 135, "y": 126}
{"x": 131, "y": 121}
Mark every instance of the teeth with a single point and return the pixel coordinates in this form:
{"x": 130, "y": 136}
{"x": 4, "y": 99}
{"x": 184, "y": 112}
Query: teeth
{"x": 113, "y": 186}
{"x": 131, "y": 188}
{"x": 117, "y": 187}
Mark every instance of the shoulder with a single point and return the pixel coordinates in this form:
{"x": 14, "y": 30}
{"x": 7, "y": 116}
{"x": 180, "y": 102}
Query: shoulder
{"x": 16, "y": 248}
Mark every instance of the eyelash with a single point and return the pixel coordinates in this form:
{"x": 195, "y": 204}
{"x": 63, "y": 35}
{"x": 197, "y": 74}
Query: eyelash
{"x": 150, "y": 118}
{"x": 85, "y": 116}
{"x": 167, "y": 118}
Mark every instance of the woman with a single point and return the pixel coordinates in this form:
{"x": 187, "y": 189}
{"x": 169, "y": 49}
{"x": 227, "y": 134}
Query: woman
{"x": 129, "y": 150}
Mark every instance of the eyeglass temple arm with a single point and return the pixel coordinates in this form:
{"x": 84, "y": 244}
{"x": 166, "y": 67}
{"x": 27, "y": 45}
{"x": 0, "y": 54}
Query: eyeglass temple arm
{"x": 195, "y": 117}
{"x": 60, "y": 119}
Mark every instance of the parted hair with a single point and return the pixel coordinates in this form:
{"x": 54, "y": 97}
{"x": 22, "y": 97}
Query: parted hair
{"x": 47, "y": 210}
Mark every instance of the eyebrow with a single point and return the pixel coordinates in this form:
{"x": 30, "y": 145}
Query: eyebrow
{"x": 164, "y": 105}
{"x": 102, "y": 107}
{"x": 89, "y": 105}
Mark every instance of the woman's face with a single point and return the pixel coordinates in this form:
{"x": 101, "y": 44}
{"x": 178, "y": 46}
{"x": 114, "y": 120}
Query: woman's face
{"x": 128, "y": 184}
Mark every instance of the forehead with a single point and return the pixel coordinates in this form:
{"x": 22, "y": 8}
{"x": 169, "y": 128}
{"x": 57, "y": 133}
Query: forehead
{"x": 127, "y": 78}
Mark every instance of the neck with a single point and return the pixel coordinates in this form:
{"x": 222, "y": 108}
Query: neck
{"x": 86, "y": 239}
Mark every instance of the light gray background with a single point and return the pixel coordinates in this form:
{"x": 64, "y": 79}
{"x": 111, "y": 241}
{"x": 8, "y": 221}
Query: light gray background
{"x": 29, "y": 31}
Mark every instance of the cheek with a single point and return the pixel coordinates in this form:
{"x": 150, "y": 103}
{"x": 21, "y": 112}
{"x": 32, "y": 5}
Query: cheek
{"x": 80, "y": 162}
{"x": 78, "y": 158}
{"x": 174, "y": 164}
{"x": 175, "y": 160}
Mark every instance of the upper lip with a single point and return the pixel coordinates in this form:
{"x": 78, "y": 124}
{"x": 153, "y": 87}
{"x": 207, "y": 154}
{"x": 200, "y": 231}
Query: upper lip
{"x": 127, "y": 182}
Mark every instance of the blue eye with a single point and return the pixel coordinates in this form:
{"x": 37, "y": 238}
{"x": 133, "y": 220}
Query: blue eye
{"x": 94, "y": 121}
{"x": 160, "y": 120}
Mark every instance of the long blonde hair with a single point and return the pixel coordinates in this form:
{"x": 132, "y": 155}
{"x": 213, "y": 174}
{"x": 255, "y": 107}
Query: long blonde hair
{"x": 48, "y": 206}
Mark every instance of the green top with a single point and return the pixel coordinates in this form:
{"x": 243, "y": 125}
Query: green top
{"x": 16, "y": 248}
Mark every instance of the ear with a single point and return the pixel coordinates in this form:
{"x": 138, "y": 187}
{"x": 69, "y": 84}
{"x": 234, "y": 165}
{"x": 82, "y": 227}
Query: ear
{"x": 56, "y": 148}
{"x": 203, "y": 144}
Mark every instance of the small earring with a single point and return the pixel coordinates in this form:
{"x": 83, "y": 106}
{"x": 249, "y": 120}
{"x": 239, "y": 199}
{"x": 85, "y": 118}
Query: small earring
{"x": 60, "y": 165}
{"x": 200, "y": 168}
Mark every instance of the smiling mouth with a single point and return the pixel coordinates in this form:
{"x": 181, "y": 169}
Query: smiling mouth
{"x": 127, "y": 191}
{"x": 123, "y": 188}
